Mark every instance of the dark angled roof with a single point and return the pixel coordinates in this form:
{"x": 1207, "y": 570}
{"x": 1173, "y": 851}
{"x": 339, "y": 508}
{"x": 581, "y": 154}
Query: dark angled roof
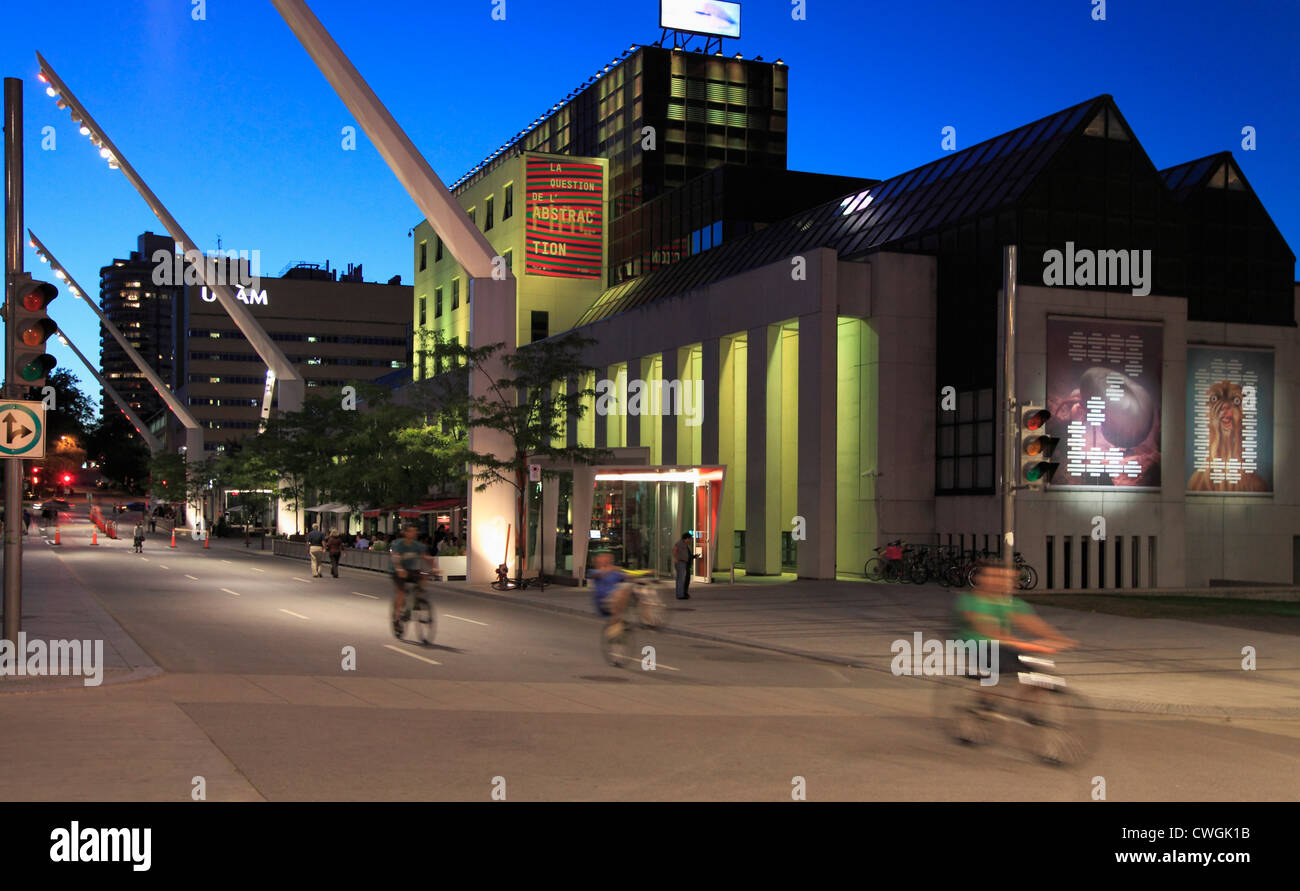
{"x": 965, "y": 184}
{"x": 1184, "y": 179}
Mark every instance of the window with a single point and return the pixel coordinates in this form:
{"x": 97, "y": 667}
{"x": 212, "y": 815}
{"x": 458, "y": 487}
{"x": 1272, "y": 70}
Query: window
{"x": 965, "y": 449}
{"x": 424, "y": 255}
{"x": 541, "y": 326}
{"x": 508, "y": 201}
{"x": 473, "y": 211}
{"x": 455, "y": 293}
{"x": 487, "y": 214}
{"x": 437, "y": 251}
{"x": 423, "y": 301}
{"x": 437, "y": 303}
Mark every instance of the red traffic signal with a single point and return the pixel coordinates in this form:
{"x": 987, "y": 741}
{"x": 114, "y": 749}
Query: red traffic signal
{"x": 1036, "y": 465}
{"x": 67, "y": 477}
{"x": 34, "y": 327}
{"x": 1036, "y": 418}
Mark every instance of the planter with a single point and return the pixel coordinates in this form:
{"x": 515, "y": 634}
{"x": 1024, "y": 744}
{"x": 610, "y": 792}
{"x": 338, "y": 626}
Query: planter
{"x": 453, "y": 567}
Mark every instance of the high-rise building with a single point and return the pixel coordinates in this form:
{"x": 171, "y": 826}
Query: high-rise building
{"x": 662, "y": 117}
{"x": 144, "y": 312}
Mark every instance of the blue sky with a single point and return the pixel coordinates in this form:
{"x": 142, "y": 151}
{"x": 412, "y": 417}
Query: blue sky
{"x": 234, "y": 128}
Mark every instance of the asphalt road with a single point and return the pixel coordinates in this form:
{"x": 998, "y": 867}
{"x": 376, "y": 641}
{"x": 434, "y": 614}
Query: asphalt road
{"x": 256, "y": 699}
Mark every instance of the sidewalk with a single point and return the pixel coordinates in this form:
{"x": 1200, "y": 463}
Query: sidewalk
{"x": 1160, "y": 666}
{"x": 57, "y": 607}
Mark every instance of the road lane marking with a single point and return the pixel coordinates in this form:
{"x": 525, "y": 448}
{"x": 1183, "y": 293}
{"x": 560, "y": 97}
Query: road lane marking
{"x": 145, "y": 559}
{"x": 228, "y": 591}
{"x": 292, "y": 613}
{"x": 296, "y": 579}
{"x": 638, "y": 659}
{"x": 224, "y": 560}
{"x": 188, "y": 576}
{"x": 160, "y": 566}
{"x": 412, "y": 655}
{"x": 371, "y": 596}
{"x": 463, "y": 619}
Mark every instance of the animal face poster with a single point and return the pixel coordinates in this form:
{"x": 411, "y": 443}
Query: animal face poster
{"x": 1103, "y": 389}
{"x": 1229, "y": 420}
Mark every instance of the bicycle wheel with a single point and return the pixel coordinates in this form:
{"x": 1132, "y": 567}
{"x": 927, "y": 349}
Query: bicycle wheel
{"x": 427, "y": 620}
{"x": 875, "y": 569}
{"x": 1028, "y": 577}
{"x": 920, "y": 574}
{"x": 959, "y": 716}
{"x": 616, "y": 647}
{"x": 971, "y": 572}
{"x": 1067, "y": 729}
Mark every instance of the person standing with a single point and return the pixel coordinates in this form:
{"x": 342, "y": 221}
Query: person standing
{"x": 316, "y": 548}
{"x": 683, "y": 555}
{"x": 138, "y": 538}
{"x": 335, "y": 548}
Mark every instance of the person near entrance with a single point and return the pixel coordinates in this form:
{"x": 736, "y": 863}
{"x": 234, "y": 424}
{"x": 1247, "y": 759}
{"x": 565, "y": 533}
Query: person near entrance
{"x": 683, "y": 555}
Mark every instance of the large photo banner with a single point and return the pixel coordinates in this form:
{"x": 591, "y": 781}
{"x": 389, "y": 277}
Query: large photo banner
{"x": 1229, "y": 420}
{"x": 1103, "y": 389}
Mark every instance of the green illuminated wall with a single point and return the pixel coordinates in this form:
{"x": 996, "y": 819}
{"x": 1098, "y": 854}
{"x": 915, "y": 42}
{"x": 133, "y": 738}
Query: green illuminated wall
{"x": 855, "y": 444}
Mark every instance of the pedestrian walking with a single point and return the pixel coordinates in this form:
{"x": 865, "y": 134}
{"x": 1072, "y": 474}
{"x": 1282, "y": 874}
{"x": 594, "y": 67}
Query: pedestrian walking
{"x": 683, "y": 555}
{"x": 138, "y": 538}
{"x": 153, "y": 523}
{"x": 334, "y": 546}
{"x": 316, "y": 548}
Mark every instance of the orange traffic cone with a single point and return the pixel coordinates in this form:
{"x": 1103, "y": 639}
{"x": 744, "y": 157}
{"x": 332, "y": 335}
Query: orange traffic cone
{"x": 173, "y": 536}
{"x": 206, "y": 535}
{"x": 57, "y": 539}
{"x": 94, "y": 536}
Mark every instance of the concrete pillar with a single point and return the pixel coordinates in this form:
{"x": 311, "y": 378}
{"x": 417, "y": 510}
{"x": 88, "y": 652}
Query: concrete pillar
{"x": 763, "y": 492}
{"x": 669, "y": 367}
{"x": 546, "y": 522}
{"x": 711, "y": 360}
{"x": 816, "y": 426}
{"x": 492, "y": 320}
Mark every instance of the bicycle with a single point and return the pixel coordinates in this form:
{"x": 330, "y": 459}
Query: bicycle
{"x": 419, "y": 611}
{"x": 1028, "y": 575}
{"x": 503, "y": 582}
{"x": 888, "y": 565}
{"x": 644, "y": 610}
{"x": 1054, "y": 721}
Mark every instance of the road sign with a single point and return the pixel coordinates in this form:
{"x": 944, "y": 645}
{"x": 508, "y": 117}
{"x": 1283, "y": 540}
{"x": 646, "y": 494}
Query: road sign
{"x": 22, "y": 429}
{"x": 535, "y": 473}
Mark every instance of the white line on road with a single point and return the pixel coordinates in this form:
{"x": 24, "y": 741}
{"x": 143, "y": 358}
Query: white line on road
{"x": 160, "y": 566}
{"x": 296, "y": 579}
{"x": 371, "y": 596}
{"x": 412, "y": 655}
{"x": 255, "y": 569}
{"x": 463, "y": 619}
{"x": 228, "y": 591}
{"x": 292, "y": 613}
{"x": 188, "y": 576}
{"x": 638, "y": 659}
{"x": 224, "y": 560}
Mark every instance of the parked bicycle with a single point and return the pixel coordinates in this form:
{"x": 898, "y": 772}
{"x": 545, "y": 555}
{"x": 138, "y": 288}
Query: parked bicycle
{"x": 1028, "y": 575}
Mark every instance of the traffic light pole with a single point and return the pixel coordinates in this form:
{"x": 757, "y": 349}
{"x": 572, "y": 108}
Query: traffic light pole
{"x": 13, "y": 571}
{"x": 1010, "y": 448}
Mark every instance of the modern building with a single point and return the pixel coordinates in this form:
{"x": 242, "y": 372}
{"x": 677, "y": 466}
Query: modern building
{"x": 844, "y": 369}
{"x": 335, "y": 329}
{"x": 144, "y": 311}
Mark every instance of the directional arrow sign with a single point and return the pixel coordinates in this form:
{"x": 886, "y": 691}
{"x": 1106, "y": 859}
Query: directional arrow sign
{"x": 22, "y": 430}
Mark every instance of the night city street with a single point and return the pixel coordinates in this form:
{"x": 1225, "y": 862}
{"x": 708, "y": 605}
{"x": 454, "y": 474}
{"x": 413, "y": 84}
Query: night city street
{"x": 416, "y": 409}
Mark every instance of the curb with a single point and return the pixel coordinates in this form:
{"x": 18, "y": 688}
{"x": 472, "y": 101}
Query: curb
{"x": 48, "y": 685}
{"x": 1130, "y": 706}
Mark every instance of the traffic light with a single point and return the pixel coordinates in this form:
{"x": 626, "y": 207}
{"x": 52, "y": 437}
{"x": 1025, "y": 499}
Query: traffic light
{"x": 34, "y": 327}
{"x": 1036, "y": 465}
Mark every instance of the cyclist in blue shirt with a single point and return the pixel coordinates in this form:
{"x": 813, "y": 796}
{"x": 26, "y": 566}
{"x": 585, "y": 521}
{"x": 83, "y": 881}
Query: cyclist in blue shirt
{"x": 609, "y": 590}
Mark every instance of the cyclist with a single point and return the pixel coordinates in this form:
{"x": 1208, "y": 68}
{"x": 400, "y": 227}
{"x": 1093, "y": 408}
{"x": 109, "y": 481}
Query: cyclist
{"x": 991, "y": 612}
{"x": 408, "y": 556}
{"x": 609, "y": 591}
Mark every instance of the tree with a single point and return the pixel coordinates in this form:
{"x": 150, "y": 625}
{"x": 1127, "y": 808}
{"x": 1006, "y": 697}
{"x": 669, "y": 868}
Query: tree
{"x": 530, "y": 404}
{"x": 168, "y": 469}
{"x": 72, "y": 415}
{"x": 121, "y": 454}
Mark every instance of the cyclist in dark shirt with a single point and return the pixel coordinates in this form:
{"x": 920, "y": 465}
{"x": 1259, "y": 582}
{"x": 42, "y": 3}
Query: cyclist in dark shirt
{"x": 408, "y": 556}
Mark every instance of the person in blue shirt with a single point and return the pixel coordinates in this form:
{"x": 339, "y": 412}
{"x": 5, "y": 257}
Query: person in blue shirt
{"x": 609, "y": 590}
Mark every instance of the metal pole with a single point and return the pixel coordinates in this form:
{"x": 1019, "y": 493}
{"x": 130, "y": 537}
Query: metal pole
{"x": 13, "y": 594}
{"x": 1009, "y": 425}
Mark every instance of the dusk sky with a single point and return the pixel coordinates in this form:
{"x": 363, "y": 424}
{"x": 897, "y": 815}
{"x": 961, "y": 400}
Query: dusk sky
{"x": 239, "y": 134}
